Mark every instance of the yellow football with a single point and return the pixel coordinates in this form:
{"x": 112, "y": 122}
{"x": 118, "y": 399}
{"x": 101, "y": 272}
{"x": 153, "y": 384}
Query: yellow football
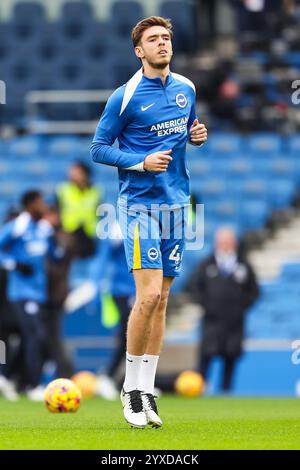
{"x": 62, "y": 396}
{"x": 189, "y": 384}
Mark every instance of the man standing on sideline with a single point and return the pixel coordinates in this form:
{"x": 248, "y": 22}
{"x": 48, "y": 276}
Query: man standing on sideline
{"x": 25, "y": 243}
{"x": 225, "y": 285}
{"x": 58, "y": 289}
{"x": 78, "y": 200}
{"x": 153, "y": 117}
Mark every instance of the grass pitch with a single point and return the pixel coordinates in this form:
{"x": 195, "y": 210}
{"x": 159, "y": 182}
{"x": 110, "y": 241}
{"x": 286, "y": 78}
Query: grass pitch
{"x": 199, "y": 423}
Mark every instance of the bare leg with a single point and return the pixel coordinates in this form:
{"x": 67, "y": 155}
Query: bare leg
{"x": 148, "y": 297}
{"x": 159, "y": 320}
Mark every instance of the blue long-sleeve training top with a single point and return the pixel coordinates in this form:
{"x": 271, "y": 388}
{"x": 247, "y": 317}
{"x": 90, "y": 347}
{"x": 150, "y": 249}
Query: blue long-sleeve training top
{"x": 24, "y": 240}
{"x": 147, "y": 116}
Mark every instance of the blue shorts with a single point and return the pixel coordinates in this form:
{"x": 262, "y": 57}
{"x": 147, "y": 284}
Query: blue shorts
{"x": 154, "y": 239}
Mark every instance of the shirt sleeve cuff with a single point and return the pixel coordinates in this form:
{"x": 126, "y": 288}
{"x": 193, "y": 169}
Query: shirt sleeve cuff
{"x": 196, "y": 145}
{"x": 137, "y": 167}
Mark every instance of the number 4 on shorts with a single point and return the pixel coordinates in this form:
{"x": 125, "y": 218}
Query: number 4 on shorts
{"x": 175, "y": 255}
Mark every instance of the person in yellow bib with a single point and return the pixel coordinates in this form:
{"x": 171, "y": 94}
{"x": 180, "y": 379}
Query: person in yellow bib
{"x": 78, "y": 200}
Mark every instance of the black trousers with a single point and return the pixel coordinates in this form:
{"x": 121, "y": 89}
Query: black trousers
{"x": 29, "y": 319}
{"x": 123, "y": 304}
{"x": 229, "y": 364}
{"x": 54, "y": 346}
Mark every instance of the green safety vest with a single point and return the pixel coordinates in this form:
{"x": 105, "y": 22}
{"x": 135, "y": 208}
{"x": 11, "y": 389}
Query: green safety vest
{"x": 78, "y": 207}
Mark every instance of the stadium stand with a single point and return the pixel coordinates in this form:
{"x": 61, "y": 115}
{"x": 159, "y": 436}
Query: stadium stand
{"x": 248, "y": 173}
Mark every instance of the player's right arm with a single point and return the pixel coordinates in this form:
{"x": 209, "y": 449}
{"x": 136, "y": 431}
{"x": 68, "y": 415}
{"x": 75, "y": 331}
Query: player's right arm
{"x": 110, "y": 126}
{"x": 7, "y": 260}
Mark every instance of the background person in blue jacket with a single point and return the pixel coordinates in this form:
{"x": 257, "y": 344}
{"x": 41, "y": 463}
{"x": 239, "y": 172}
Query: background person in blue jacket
{"x": 25, "y": 244}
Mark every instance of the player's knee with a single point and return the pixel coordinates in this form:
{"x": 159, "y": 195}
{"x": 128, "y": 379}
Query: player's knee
{"x": 164, "y": 298}
{"x": 151, "y": 299}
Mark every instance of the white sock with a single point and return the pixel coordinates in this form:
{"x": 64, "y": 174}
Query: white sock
{"x": 147, "y": 373}
{"x": 133, "y": 366}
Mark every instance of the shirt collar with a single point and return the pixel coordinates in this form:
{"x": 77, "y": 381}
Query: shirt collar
{"x": 158, "y": 81}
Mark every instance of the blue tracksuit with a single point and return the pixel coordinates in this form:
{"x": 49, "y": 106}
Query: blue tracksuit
{"x": 27, "y": 241}
{"x": 147, "y": 116}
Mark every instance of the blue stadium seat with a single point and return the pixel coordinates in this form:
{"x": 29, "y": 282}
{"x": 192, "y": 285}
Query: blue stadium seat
{"x": 4, "y": 150}
{"x": 281, "y": 193}
{"x": 48, "y": 48}
{"x": 123, "y": 69}
{"x": 292, "y": 58}
{"x": 104, "y": 174}
{"x": 28, "y": 20}
{"x": 21, "y": 77}
{"x": 283, "y": 167}
{"x": 10, "y": 189}
{"x": 6, "y": 46}
{"x": 63, "y": 146}
{"x": 124, "y": 15}
{"x": 290, "y": 272}
{"x": 224, "y": 144}
{"x": 84, "y": 145}
{"x": 253, "y": 214}
{"x": 273, "y": 167}
{"x": 211, "y": 189}
{"x": 101, "y": 74}
{"x": 257, "y": 56}
{"x": 261, "y": 167}
{"x": 75, "y": 20}
{"x": 254, "y": 189}
{"x": 4, "y": 167}
{"x": 200, "y": 167}
{"x": 183, "y": 17}
{"x": 276, "y": 314}
{"x": 25, "y": 146}
{"x": 29, "y": 11}
{"x": 225, "y": 210}
{"x": 38, "y": 168}
{"x": 101, "y": 45}
{"x": 70, "y": 74}
{"x": 74, "y": 30}
{"x": 240, "y": 167}
{"x": 264, "y": 144}
{"x": 71, "y": 11}
{"x": 294, "y": 145}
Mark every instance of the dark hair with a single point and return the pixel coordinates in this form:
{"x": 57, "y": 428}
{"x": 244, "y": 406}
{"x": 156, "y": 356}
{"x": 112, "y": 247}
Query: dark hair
{"x": 146, "y": 23}
{"x": 29, "y": 197}
{"x": 84, "y": 167}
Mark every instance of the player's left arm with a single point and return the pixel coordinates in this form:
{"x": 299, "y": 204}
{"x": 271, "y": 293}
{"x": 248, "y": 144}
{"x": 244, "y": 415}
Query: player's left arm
{"x": 197, "y": 131}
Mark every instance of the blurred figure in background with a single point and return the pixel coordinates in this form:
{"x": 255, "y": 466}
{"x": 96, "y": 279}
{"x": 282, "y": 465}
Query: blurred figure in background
{"x": 261, "y": 19}
{"x": 58, "y": 288}
{"x": 122, "y": 289}
{"x": 8, "y": 328}
{"x": 78, "y": 200}
{"x": 25, "y": 244}
{"x": 225, "y": 285}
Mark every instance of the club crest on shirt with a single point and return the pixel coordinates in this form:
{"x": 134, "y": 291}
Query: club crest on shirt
{"x": 152, "y": 253}
{"x": 181, "y": 100}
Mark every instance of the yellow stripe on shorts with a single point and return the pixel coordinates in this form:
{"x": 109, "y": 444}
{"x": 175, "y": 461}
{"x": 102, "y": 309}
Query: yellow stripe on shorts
{"x": 136, "y": 249}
